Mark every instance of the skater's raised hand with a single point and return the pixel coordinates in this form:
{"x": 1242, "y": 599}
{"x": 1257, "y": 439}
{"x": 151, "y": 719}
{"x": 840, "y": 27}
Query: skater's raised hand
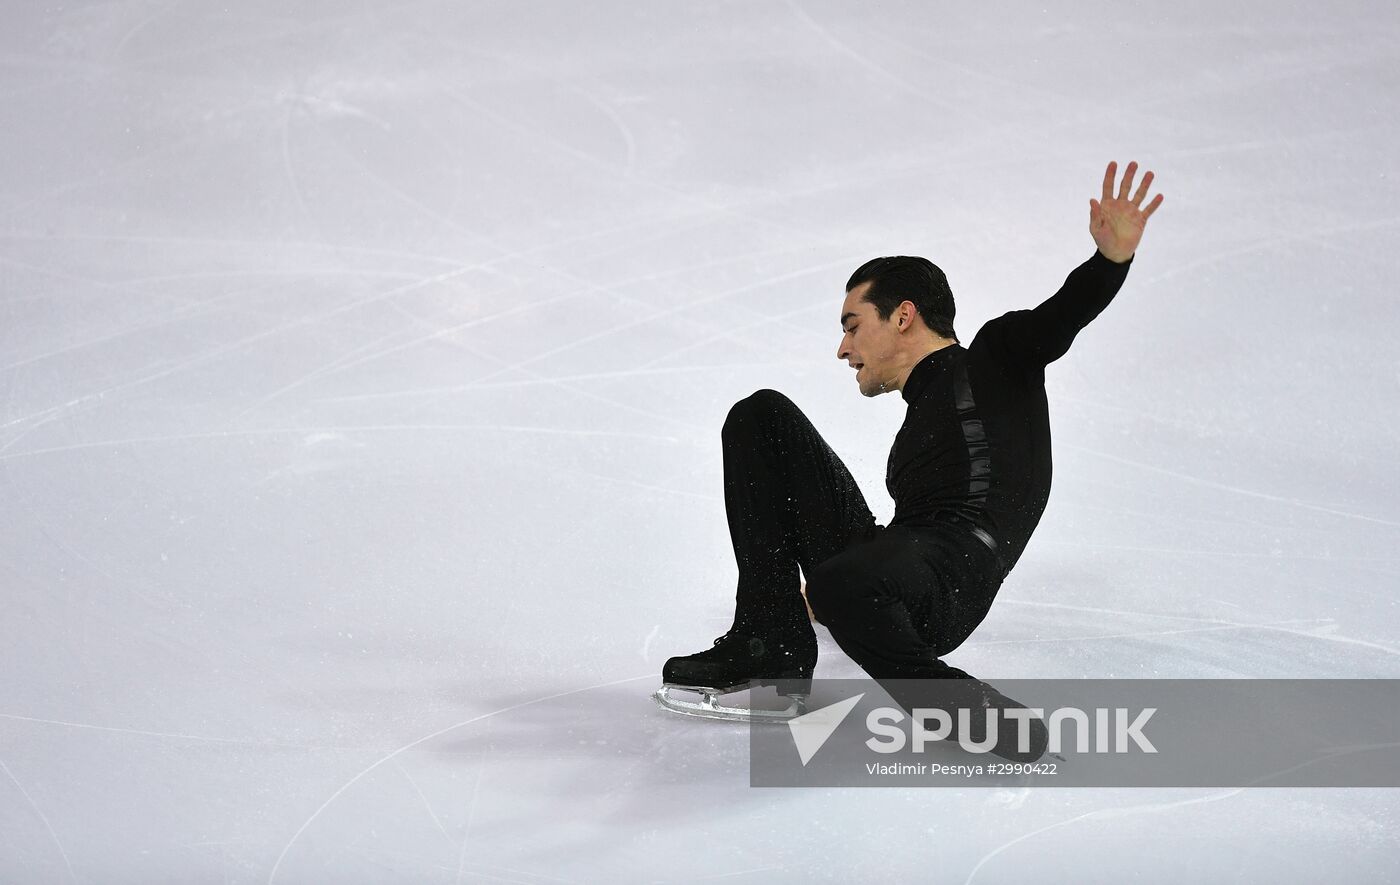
{"x": 1116, "y": 223}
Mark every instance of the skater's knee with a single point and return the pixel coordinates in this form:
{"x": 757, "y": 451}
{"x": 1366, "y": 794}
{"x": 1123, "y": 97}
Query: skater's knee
{"x": 759, "y": 406}
{"x": 835, "y": 585}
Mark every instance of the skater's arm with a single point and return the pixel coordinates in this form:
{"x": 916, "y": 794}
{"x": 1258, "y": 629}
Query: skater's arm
{"x": 1037, "y": 337}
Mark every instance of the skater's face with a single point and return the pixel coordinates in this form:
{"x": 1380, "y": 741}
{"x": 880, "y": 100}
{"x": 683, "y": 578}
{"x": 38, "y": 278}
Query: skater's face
{"x": 869, "y": 344}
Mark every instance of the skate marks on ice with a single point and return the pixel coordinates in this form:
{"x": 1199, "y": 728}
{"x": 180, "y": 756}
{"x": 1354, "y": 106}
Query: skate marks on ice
{"x": 272, "y": 876}
{"x": 1225, "y": 487}
{"x": 1099, "y": 814}
{"x": 1324, "y": 827}
{"x": 48, "y": 826}
{"x": 640, "y": 766}
{"x": 1070, "y": 641}
{"x": 1321, "y": 630}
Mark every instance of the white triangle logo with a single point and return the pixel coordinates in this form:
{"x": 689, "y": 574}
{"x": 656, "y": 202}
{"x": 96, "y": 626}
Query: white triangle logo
{"x": 811, "y": 730}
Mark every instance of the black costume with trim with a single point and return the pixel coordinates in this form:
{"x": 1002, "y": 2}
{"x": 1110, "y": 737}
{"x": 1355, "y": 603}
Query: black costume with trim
{"x": 969, "y": 472}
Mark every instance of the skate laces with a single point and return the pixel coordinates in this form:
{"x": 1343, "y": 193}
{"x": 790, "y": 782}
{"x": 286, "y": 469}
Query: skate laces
{"x": 756, "y": 645}
{"x": 733, "y": 633}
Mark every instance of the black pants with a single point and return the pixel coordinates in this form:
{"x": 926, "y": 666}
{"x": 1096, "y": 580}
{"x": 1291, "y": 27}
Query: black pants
{"x": 896, "y": 598}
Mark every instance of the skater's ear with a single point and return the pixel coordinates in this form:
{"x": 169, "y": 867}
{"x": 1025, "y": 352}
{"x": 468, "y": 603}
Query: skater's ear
{"x": 904, "y": 315}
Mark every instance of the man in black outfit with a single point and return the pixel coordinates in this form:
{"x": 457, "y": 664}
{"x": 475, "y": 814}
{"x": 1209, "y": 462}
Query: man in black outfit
{"x": 969, "y": 473}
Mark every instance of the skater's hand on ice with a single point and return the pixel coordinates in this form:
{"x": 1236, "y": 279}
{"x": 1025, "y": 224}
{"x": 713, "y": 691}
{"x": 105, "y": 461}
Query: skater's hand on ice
{"x": 1116, "y": 223}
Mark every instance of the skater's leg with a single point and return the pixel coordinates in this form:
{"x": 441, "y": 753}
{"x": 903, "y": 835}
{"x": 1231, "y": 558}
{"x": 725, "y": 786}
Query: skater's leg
{"x": 884, "y": 602}
{"x": 790, "y": 502}
{"x": 897, "y": 603}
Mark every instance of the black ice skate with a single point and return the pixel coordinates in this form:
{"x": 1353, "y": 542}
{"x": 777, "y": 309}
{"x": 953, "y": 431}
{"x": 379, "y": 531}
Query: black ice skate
{"x": 978, "y": 699}
{"x": 739, "y": 661}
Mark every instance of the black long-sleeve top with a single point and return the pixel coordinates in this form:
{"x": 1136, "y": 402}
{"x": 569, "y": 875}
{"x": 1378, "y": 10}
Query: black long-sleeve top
{"x": 975, "y": 444}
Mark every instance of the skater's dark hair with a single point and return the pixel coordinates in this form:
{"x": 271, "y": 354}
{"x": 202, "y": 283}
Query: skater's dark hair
{"x": 901, "y": 278}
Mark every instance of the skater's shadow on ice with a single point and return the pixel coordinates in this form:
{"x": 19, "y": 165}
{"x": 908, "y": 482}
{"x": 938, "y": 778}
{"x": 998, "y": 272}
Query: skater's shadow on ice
{"x": 641, "y": 767}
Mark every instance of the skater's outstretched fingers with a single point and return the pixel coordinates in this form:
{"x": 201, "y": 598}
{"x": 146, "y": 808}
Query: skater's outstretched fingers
{"x": 1142, "y": 188}
{"x": 1108, "y": 176}
{"x": 1117, "y": 223}
{"x": 1127, "y": 180}
{"x": 1151, "y": 207}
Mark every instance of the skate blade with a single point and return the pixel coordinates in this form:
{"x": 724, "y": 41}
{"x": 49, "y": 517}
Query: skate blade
{"x": 707, "y": 706}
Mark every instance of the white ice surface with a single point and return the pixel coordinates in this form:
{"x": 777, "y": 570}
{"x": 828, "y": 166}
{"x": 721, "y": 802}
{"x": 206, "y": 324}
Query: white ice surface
{"x": 362, "y": 370}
